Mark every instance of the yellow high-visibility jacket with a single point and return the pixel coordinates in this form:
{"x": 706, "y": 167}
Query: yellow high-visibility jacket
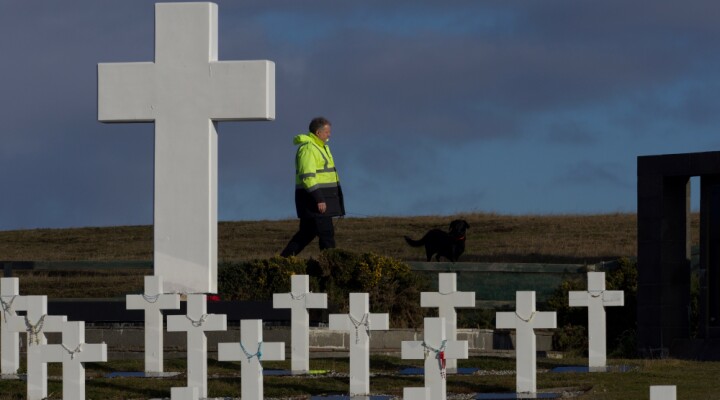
{"x": 316, "y": 179}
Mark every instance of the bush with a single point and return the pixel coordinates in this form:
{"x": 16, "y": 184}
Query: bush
{"x": 258, "y": 279}
{"x": 392, "y": 287}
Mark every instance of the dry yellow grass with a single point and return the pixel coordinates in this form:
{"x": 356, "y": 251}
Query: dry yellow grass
{"x": 491, "y": 238}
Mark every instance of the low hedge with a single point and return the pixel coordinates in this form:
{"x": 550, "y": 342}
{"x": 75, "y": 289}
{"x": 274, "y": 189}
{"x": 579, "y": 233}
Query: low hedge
{"x": 392, "y": 287}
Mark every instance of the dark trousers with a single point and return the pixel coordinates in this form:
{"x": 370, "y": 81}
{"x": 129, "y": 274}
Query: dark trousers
{"x": 322, "y": 227}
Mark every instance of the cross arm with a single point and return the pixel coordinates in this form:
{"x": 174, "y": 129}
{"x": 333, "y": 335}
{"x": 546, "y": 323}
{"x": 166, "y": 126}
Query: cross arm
{"x": 48, "y": 353}
{"x": 51, "y": 323}
{"x": 456, "y": 349}
{"x": 212, "y": 322}
{"x": 87, "y": 352}
{"x": 578, "y": 299}
{"x": 162, "y": 302}
{"x": 505, "y": 320}
{"x": 316, "y": 300}
{"x": 233, "y": 80}
{"x": 429, "y": 299}
{"x": 545, "y": 320}
{"x": 93, "y": 352}
{"x": 613, "y": 298}
{"x": 339, "y": 322}
{"x": 412, "y": 350}
{"x": 282, "y": 300}
{"x": 273, "y": 351}
{"x": 379, "y": 322}
{"x": 230, "y": 352}
{"x": 125, "y": 92}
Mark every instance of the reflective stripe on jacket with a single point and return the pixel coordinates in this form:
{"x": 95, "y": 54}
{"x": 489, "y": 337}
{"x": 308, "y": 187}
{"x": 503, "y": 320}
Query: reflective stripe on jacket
{"x": 316, "y": 179}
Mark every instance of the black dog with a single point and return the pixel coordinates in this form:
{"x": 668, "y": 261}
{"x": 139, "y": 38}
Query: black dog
{"x": 447, "y": 244}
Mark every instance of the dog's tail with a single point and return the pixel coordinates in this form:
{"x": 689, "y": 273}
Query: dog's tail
{"x": 414, "y": 243}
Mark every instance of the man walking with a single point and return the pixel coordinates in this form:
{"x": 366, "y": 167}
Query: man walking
{"x": 318, "y": 196}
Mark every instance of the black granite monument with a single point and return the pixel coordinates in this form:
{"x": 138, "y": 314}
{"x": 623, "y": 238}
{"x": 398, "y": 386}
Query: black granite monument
{"x": 664, "y": 256}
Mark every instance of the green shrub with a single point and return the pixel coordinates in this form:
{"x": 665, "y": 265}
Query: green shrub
{"x": 392, "y": 287}
{"x": 572, "y": 339}
{"x": 258, "y": 279}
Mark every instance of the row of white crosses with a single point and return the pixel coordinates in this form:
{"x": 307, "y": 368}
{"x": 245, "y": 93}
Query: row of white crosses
{"x": 72, "y": 351}
{"x": 196, "y": 322}
{"x": 438, "y": 351}
{"x": 437, "y": 348}
{"x": 525, "y": 319}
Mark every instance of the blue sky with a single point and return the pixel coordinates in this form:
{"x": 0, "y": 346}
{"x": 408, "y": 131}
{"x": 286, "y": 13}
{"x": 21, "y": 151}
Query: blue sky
{"x": 438, "y": 107}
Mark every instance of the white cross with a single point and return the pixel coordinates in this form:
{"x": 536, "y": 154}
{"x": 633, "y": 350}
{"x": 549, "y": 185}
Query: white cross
{"x": 525, "y": 320}
{"x": 596, "y": 298}
{"x": 251, "y": 351}
{"x": 153, "y": 301}
{"x": 35, "y": 323}
{"x": 186, "y": 91}
{"x": 299, "y": 300}
{"x": 196, "y": 323}
{"x": 434, "y": 342}
{"x": 359, "y": 322}
{"x": 663, "y": 392}
{"x": 11, "y": 302}
{"x": 73, "y": 352}
{"x": 447, "y": 299}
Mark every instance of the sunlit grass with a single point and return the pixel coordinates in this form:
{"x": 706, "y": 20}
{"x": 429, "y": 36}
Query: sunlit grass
{"x": 695, "y": 380}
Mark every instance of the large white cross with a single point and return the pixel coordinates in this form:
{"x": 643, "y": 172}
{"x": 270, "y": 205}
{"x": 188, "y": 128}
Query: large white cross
{"x": 663, "y": 392}
{"x": 447, "y": 299}
{"x": 250, "y": 352}
{"x": 153, "y": 301}
{"x": 433, "y": 349}
{"x": 196, "y": 323}
{"x": 186, "y": 91}
{"x": 359, "y": 322}
{"x": 525, "y": 320}
{"x": 299, "y": 300}
{"x": 73, "y": 352}
{"x": 596, "y": 298}
{"x": 35, "y": 323}
{"x": 11, "y": 302}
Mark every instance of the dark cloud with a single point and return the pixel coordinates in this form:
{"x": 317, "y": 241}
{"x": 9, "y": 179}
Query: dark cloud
{"x": 595, "y": 174}
{"x": 571, "y": 133}
{"x": 405, "y": 83}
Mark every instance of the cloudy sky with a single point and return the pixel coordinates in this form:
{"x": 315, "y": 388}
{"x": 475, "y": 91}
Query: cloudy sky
{"x": 438, "y": 107}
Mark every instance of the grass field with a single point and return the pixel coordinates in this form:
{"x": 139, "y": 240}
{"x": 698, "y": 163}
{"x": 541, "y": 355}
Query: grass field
{"x": 491, "y": 238}
{"x": 694, "y": 380}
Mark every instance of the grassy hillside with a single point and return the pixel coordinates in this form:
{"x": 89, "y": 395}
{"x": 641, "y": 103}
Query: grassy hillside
{"x": 491, "y": 238}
